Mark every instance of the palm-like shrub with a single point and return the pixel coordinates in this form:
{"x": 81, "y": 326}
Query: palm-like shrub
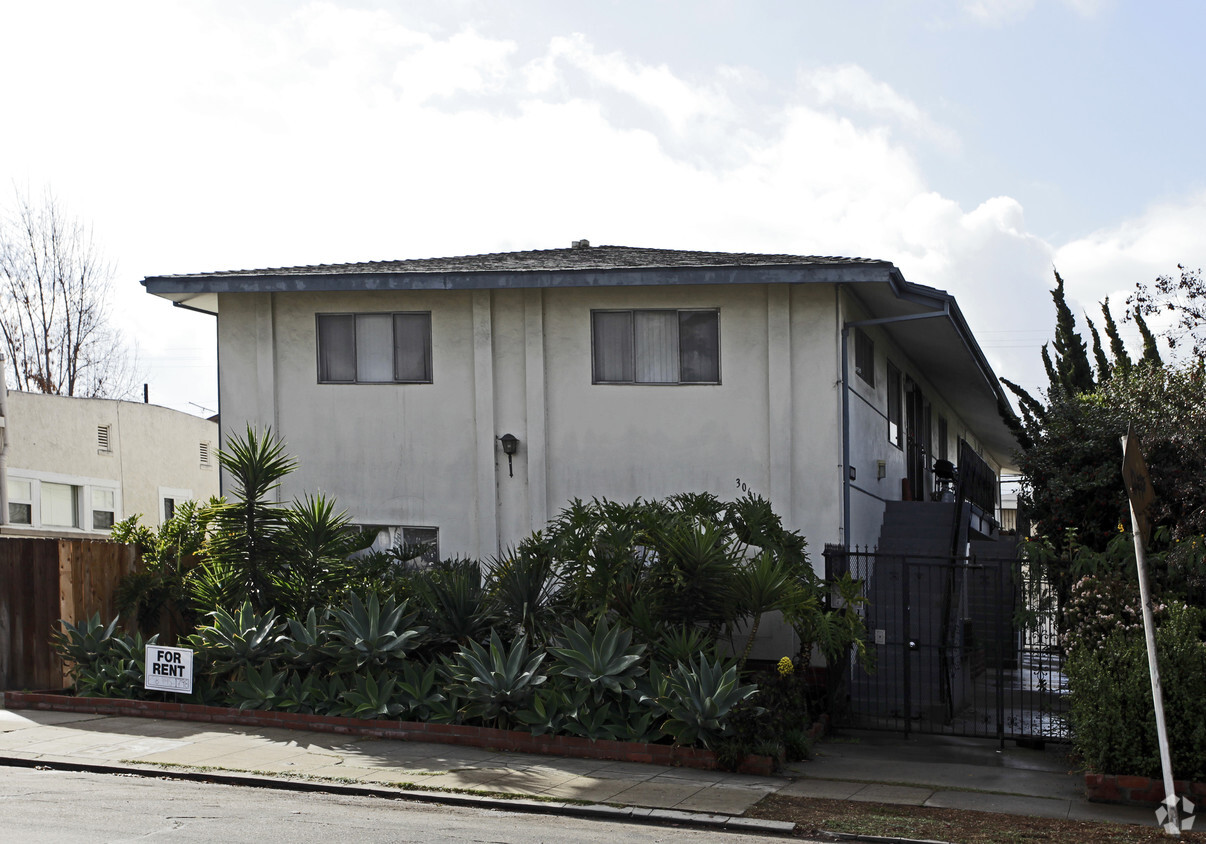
{"x": 246, "y": 540}
{"x": 314, "y": 546}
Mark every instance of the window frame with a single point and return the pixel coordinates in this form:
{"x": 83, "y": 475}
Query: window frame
{"x": 429, "y": 361}
{"x": 25, "y": 501}
{"x": 864, "y": 347}
{"x": 94, "y": 509}
{"x": 895, "y": 409}
{"x": 594, "y": 367}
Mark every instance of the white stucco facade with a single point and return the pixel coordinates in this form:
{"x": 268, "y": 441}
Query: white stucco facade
{"x": 75, "y": 466}
{"x": 518, "y": 360}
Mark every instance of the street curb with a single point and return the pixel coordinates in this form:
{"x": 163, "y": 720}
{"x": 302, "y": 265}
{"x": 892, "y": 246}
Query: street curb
{"x": 623, "y": 814}
{"x": 877, "y": 839}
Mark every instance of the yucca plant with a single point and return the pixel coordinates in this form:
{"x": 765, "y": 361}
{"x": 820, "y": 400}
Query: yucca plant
{"x": 314, "y": 547}
{"x": 700, "y": 695}
{"x": 495, "y": 682}
{"x": 603, "y": 661}
{"x": 247, "y": 532}
{"x": 765, "y": 584}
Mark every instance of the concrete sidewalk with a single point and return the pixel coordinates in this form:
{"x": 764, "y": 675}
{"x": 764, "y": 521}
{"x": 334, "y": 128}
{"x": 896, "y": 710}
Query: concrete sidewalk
{"x": 860, "y": 767}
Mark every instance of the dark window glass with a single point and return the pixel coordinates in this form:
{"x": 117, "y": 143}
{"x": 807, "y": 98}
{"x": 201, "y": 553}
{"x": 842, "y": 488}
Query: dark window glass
{"x": 864, "y": 357}
{"x": 412, "y": 347}
{"x": 20, "y": 514}
{"x": 894, "y": 419}
{"x": 336, "y": 347}
{"x": 102, "y": 519}
{"x": 169, "y": 508}
{"x": 613, "y": 346}
{"x": 699, "y": 342}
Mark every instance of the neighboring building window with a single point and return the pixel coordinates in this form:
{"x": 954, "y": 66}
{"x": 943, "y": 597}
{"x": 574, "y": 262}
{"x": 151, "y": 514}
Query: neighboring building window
{"x": 374, "y": 348}
{"x": 20, "y": 502}
{"x": 60, "y": 505}
{"x": 170, "y": 499}
{"x": 104, "y": 508}
{"x": 656, "y": 347}
{"x": 894, "y": 418}
{"x": 102, "y": 438}
{"x": 864, "y": 357}
{"x": 205, "y": 454}
{"x": 414, "y": 538}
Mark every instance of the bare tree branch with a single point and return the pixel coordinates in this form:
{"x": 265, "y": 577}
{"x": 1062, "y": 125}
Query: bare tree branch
{"x": 54, "y": 306}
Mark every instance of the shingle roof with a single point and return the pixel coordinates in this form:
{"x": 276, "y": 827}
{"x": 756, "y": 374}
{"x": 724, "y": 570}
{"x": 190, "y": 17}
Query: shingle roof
{"x": 545, "y": 260}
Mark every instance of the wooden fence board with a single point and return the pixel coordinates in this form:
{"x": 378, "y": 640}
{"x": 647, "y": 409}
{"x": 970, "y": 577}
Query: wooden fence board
{"x": 43, "y": 581}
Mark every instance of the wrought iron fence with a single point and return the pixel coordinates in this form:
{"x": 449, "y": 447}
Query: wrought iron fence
{"x": 962, "y": 646}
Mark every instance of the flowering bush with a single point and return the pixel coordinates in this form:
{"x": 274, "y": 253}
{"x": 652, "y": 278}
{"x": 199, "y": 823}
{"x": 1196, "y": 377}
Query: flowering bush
{"x": 1112, "y": 717}
{"x": 785, "y": 666}
{"x": 1100, "y": 606}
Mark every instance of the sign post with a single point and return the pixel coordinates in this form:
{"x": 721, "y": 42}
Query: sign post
{"x": 1139, "y": 491}
{"x": 169, "y": 669}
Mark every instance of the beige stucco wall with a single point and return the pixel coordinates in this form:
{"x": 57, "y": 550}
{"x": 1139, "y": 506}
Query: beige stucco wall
{"x": 519, "y": 361}
{"x": 152, "y": 450}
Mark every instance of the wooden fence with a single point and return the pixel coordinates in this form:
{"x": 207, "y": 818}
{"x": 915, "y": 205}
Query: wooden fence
{"x": 42, "y": 581}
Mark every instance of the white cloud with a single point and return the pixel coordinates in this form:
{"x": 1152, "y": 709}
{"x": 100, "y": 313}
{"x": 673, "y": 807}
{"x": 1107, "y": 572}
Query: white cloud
{"x": 997, "y": 12}
{"x": 851, "y": 87}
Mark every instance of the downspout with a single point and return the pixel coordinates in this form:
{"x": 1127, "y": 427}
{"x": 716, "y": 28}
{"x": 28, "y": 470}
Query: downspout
{"x": 846, "y": 326}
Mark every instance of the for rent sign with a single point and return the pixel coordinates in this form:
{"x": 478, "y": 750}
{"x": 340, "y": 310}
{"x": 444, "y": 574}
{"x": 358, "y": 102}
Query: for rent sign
{"x": 169, "y": 669}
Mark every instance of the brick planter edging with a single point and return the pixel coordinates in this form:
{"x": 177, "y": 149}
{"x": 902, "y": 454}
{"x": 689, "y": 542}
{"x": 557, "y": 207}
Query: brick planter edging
{"x": 459, "y": 734}
{"x": 1138, "y": 791}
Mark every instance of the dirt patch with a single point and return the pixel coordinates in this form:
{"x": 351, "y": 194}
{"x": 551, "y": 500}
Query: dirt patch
{"x": 813, "y": 815}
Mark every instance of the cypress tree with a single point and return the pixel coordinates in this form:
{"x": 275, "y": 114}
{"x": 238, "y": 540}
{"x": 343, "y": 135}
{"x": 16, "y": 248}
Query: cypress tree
{"x": 1121, "y": 359}
{"x": 1151, "y": 353}
{"x": 1103, "y": 365}
{"x": 1075, "y": 375}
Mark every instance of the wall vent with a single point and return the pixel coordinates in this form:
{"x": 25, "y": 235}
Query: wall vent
{"x": 204, "y": 454}
{"x": 102, "y": 437}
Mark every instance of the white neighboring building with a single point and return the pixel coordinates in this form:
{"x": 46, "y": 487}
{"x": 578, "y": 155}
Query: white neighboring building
{"x": 620, "y": 372}
{"x": 76, "y": 466}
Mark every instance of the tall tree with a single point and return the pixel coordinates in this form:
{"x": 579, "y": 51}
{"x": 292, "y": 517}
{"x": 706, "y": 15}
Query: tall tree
{"x": 1071, "y": 363}
{"x": 1103, "y": 365}
{"x": 1151, "y": 352}
{"x": 54, "y": 305}
{"x": 1122, "y": 361}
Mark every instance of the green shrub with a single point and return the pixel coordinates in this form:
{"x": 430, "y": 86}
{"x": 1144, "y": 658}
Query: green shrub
{"x": 1112, "y": 716}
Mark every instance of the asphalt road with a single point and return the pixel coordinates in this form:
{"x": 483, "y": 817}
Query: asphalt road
{"x": 59, "y": 807}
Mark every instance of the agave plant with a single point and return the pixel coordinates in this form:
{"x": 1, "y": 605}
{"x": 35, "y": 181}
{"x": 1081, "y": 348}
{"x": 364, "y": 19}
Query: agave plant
{"x": 309, "y": 642}
{"x": 373, "y": 635}
{"x": 603, "y": 661}
{"x": 302, "y": 692}
{"x": 495, "y": 682}
{"x": 549, "y": 711}
{"x": 418, "y": 691}
{"x": 456, "y": 607}
{"x": 240, "y": 640}
{"x": 104, "y": 663}
{"x": 372, "y": 695}
{"x": 700, "y": 696}
{"x": 86, "y": 643}
{"x": 259, "y": 688}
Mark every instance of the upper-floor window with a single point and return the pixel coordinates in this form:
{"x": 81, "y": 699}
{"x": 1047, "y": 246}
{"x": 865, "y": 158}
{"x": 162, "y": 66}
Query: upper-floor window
{"x": 60, "y": 505}
{"x": 655, "y": 347}
{"x": 20, "y": 502}
{"x": 104, "y": 508}
{"x": 864, "y": 357}
{"x": 390, "y": 348}
{"x": 895, "y": 432}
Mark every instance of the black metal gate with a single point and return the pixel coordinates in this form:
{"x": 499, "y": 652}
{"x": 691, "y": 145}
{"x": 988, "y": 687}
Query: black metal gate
{"x": 962, "y": 646}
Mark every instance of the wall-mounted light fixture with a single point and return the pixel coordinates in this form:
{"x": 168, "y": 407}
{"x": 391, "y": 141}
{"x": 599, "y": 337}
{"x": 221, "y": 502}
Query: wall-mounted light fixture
{"x": 510, "y": 444}
{"x": 881, "y": 469}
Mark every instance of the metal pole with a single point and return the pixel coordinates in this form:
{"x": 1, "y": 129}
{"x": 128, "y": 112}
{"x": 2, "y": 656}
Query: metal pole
{"x": 1172, "y": 827}
{"x": 3, "y": 442}
{"x": 907, "y": 644}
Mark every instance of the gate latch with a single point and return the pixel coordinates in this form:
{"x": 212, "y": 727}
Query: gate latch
{"x": 913, "y": 646}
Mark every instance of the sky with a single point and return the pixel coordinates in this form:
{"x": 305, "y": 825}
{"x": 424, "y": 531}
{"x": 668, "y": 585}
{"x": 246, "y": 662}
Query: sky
{"x": 976, "y": 144}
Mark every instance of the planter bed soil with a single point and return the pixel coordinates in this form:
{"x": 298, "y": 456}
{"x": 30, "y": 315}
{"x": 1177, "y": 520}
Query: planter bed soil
{"x": 460, "y": 734}
{"x": 1138, "y": 791}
